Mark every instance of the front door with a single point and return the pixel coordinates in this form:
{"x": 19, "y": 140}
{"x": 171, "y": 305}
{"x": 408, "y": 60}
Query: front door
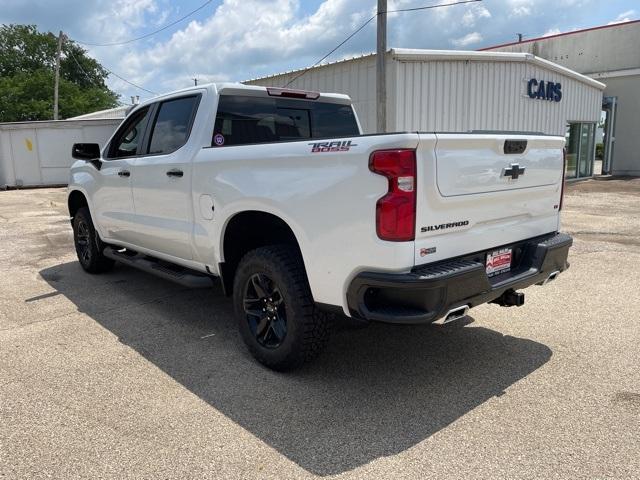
{"x": 112, "y": 201}
{"x": 161, "y": 180}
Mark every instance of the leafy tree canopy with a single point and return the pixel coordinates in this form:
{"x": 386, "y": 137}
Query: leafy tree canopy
{"x": 27, "y": 68}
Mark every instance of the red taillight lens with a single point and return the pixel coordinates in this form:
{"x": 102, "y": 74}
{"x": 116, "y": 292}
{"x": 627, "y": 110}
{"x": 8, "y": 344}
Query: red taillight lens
{"x": 564, "y": 169}
{"x": 396, "y": 211}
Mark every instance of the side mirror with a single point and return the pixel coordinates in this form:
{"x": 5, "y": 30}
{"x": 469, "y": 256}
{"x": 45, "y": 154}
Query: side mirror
{"x": 85, "y": 151}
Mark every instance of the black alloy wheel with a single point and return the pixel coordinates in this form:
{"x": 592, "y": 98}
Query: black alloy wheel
{"x": 277, "y": 317}
{"x": 89, "y": 247}
{"x": 265, "y": 310}
{"x": 83, "y": 245}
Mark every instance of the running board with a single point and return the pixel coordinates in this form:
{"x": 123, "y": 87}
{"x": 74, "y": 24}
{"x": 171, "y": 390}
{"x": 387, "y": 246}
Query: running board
{"x": 168, "y": 271}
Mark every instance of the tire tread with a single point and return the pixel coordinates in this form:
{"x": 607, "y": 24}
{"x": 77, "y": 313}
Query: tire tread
{"x": 315, "y": 324}
{"x": 98, "y": 263}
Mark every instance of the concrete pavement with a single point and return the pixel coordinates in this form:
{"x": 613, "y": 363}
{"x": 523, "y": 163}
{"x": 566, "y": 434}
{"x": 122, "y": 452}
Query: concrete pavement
{"x": 124, "y": 375}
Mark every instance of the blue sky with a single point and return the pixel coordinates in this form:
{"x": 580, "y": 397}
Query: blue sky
{"x": 241, "y": 39}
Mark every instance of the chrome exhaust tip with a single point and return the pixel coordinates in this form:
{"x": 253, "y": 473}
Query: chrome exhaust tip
{"x": 552, "y": 276}
{"x": 453, "y": 314}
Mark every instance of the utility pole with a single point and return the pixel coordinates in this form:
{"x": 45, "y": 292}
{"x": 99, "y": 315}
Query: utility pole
{"x": 381, "y": 75}
{"x": 57, "y": 77}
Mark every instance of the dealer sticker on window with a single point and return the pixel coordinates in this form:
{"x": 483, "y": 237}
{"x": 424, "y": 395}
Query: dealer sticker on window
{"x": 498, "y": 261}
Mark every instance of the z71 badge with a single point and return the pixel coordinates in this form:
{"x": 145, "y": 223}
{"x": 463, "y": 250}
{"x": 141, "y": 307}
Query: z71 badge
{"x": 337, "y": 146}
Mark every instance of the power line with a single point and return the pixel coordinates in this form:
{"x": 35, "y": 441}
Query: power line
{"x": 426, "y": 7}
{"x": 110, "y": 72}
{"x": 129, "y": 82}
{"x": 147, "y": 35}
{"x": 336, "y": 48}
{"x": 92, "y": 80}
{"x": 81, "y": 69}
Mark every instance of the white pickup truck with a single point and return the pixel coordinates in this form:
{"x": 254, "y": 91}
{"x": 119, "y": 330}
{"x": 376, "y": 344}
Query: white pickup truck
{"x": 278, "y": 194}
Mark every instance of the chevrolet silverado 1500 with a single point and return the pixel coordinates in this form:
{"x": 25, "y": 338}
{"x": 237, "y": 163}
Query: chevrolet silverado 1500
{"x": 277, "y": 194}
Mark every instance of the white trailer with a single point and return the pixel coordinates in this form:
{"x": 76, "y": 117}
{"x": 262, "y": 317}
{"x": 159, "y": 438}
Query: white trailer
{"x": 39, "y": 153}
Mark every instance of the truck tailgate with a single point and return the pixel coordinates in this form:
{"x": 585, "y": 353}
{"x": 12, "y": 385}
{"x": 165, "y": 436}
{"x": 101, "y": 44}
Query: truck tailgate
{"x": 480, "y": 191}
{"x": 477, "y": 164}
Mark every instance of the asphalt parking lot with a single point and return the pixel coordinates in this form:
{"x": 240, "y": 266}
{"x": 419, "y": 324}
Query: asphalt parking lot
{"x": 124, "y": 375}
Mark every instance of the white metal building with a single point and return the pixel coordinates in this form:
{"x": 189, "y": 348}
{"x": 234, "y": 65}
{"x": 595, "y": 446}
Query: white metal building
{"x": 427, "y": 90}
{"x": 110, "y": 113}
{"x": 39, "y": 153}
{"x": 611, "y": 54}
{"x": 442, "y": 90}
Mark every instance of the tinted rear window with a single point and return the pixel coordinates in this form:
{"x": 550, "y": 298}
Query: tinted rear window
{"x": 242, "y": 120}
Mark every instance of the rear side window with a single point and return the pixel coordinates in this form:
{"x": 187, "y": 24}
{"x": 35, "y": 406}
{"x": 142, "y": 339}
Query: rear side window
{"x": 172, "y": 124}
{"x": 242, "y": 120}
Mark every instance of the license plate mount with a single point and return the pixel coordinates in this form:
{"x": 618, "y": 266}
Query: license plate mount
{"x": 498, "y": 261}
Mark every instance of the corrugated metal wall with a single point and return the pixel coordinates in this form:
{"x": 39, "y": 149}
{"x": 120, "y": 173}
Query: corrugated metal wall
{"x": 450, "y": 95}
{"x": 39, "y": 153}
{"x": 472, "y": 95}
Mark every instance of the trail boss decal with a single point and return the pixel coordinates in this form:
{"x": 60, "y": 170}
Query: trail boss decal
{"x": 444, "y": 226}
{"x": 337, "y": 146}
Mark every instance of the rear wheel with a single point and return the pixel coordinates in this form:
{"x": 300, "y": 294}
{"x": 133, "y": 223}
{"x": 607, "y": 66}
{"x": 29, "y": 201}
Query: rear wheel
{"x": 277, "y": 317}
{"x": 88, "y": 245}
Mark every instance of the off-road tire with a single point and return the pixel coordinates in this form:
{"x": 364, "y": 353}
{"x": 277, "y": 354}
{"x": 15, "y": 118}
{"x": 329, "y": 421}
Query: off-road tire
{"x": 88, "y": 245}
{"x": 307, "y": 328}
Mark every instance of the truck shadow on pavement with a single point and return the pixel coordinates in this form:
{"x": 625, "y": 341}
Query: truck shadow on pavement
{"x": 375, "y": 392}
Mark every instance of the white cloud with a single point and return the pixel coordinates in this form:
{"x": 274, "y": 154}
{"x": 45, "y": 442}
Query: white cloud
{"x": 163, "y": 17}
{"x": 623, "y": 17}
{"x": 468, "y": 39}
{"x": 473, "y": 14}
{"x": 118, "y": 22}
{"x": 551, "y": 31}
{"x": 223, "y": 47}
{"x": 240, "y": 39}
{"x": 549, "y": 9}
{"x": 519, "y": 8}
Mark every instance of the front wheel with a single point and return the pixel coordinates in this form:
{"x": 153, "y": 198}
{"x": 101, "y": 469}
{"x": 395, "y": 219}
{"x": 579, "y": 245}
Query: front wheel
{"x": 88, "y": 245}
{"x": 277, "y": 317}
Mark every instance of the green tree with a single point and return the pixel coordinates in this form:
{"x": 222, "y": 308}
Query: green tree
{"x": 27, "y": 66}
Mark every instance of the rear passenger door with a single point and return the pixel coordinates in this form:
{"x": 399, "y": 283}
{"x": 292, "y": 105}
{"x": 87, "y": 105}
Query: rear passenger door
{"x": 161, "y": 180}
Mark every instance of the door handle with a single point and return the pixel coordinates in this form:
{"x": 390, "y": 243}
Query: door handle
{"x": 175, "y": 173}
{"x": 124, "y": 173}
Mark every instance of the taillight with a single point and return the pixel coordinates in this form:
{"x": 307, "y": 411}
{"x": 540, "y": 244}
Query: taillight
{"x": 396, "y": 211}
{"x": 564, "y": 169}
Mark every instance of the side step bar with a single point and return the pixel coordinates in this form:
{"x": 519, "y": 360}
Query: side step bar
{"x": 183, "y": 276}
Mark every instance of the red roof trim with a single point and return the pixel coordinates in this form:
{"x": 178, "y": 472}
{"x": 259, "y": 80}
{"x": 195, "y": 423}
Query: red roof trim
{"x": 559, "y": 35}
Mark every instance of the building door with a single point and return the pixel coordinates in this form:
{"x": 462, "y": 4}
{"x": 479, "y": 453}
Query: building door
{"x": 572, "y": 147}
{"x": 587, "y": 147}
{"x": 580, "y": 148}
{"x": 609, "y": 108}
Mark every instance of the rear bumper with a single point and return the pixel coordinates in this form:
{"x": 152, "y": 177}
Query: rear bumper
{"x": 428, "y": 292}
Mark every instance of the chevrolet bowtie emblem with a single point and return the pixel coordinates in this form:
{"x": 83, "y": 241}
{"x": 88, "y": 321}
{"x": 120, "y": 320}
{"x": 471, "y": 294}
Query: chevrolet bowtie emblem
{"x": 514, "y": 171}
